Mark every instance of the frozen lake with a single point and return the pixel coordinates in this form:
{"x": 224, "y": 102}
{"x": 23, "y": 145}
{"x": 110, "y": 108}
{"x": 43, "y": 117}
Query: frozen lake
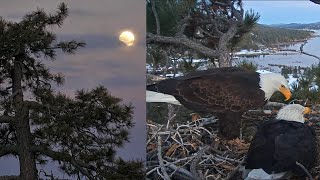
{"x": 296, "y": 59}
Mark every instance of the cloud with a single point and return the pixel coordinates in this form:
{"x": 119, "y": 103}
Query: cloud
{"x": 121, "y": 70}
{"x": 92, "y": 40}
{"x": 95, "y": 16}
{"x": 81, "y": 12}
{"x": 122, "y": 80}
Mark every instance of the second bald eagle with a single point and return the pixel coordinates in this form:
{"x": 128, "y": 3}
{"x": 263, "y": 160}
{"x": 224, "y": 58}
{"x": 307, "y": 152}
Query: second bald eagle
{"x": 280, "y": 144}
{"x": 227, "y": 92}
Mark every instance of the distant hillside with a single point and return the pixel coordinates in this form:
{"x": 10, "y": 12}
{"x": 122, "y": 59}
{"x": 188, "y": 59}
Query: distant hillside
{"x": 312, "y": 26}
{"x": 267, "y": 36}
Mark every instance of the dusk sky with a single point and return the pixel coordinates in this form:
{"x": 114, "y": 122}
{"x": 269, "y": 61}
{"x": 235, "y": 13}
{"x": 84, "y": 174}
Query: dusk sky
{"x": 276, "y": 12}
{"x": 103, "y": 61}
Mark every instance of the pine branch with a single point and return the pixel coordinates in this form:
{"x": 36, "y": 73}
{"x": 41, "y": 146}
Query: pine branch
{"x": 32, "y": 104}
{"x": 7, "y": 119}
{"x": 220, "y": 3}
{"x": 238, "y": 14}
{"x": 9, "y": 149}
{"x": 206, "y": 8}
{"x": 60, "y": 156}
{"x": 151, "y": 38}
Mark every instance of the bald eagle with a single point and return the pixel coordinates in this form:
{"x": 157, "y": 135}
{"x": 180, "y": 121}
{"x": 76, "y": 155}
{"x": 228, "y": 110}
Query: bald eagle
{"x": 228, "y": 92}
{"x": 280, "y": 143}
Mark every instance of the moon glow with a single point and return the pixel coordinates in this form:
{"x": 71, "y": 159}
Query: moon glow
{"x": 127, "y": 38}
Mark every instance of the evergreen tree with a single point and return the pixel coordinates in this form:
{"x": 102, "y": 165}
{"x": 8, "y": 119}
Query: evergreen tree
{"x": 295, "y": 72}
{"x": 247, "y": 65}
{"x": 209, "y": 28}
{"x": 80, "y": 133}
{"x": 285, "y": 71}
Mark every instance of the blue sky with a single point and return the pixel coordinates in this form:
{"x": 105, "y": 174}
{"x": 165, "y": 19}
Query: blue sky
{"x": 275, "y": 12}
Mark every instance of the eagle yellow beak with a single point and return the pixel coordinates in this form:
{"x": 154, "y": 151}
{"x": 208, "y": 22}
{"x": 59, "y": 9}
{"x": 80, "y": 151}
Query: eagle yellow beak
{"x": 306, "y": 110}
{"x": 286, "y": 92}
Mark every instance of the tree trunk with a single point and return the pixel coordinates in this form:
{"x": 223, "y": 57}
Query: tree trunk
{"x": 224, "y": 51}
{"x": 174, "y": 67}
{"x": 28, "y": 170}
{"x": 167, "y": 61}
{"x": 154, "y": 70}
{"x": 224, "y": 59}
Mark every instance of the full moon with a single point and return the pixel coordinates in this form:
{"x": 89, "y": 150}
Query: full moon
{"x": 127, "y": 38}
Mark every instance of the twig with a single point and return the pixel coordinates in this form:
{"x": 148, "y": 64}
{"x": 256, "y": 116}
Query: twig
{"x": 275, "y": 104}
{"x": 154, "y": 135}
{"x": 183, "y": 161}
{"x": 194, "y": 163}
{"x": 305, "y": 170}
{"x": 235, "y": 170}
{"x": 228, "y": 159}
{"x": 158, "y": 171}
{"x": 171, "y": 114}
{"x": 151, "y": 171}
{"x": 260, "y": 112}
{"x": 161, "y": 164}
{"x": 181, "y": 171}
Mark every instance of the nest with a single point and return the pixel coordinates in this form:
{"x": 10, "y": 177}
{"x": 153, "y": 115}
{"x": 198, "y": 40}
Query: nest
{"x": 191, "y": 151}
{"x": 194, "y": 151}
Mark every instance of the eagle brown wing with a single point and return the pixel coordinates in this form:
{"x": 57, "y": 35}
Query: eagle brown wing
{"x": 220, "y": 90}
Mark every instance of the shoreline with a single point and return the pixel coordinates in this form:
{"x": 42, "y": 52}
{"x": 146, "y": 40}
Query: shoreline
{"x": 274, "y": 49}
{"x": 313, "y": 35}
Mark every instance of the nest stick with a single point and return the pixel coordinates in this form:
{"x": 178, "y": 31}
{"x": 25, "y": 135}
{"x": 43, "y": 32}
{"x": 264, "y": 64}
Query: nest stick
{"x": 161, "y": 163}
{"x": 305, "y": 170}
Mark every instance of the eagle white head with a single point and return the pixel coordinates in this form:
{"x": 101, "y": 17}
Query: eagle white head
{"x": 293, "y": 112}
{"x": 272, "y": 82}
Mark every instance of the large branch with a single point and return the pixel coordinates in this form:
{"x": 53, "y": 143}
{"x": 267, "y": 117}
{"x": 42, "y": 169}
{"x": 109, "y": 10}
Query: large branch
{"x": 227, "y": 36}
{"x": 237, "y": 13}
{"x": 183, "y": 41}
{"x": 32, "y": 104}
{"x": 207, "y": 11}
{"x": 183, "y": 24}
{"x": 10, "y": 149}
{"x": 220, "y": 4}
{"x": 65, "y": 158}
{"x": 7, "y": 119}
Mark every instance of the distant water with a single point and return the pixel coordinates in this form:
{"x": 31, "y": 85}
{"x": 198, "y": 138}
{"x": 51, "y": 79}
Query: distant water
{"x": 312, "y": 47}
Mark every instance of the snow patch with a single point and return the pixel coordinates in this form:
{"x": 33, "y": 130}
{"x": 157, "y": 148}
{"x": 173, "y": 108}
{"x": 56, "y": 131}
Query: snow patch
{"x": 261, "y": 71}
{"x": 292, "y": 80}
